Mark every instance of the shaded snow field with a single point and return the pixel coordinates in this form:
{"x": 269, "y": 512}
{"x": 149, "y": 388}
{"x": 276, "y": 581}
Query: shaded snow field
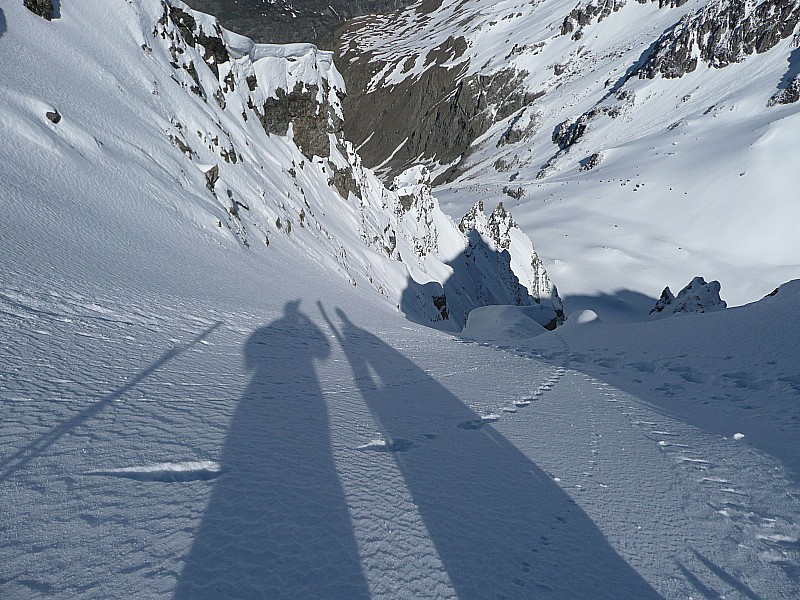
{"x": 312, "y": 451}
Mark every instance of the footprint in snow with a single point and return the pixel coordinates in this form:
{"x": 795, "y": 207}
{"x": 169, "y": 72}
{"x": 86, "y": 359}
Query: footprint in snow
{"x": 397, "y": 445}
{"x": 478, "y": 423}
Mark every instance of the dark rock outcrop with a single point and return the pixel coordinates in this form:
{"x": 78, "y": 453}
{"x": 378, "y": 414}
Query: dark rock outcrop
{"x": 284, "y": 21}
{"x": 725, "y": 32}
{"x": 437, "y": 114}
{"x": 789, "y": 86}
{"x": 788, "y": 95}
{"x": 43, "y": 8}
{"x": 311, "y": 121}
{"x": 580, "y": 16}
{"x": 590, "y": 162}
{"x": 306, "y": 108}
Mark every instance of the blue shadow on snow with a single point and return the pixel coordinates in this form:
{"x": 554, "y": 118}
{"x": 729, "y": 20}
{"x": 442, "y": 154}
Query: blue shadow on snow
{"x": 277, "y": 525}
{"x": 19, "y": 460}
{"x": 792, "y": 72}
{"x": 500, "y": 525}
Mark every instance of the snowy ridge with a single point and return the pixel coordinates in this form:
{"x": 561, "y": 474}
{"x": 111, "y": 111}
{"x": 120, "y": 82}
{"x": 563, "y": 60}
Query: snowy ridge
{"x": 243, "y": 140}
{"x": 618, "y": 171}
{"x": 284, "y": 77}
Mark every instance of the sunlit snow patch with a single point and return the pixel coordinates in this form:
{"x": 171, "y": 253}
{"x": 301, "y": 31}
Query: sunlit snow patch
{"x": 398, "y": 445}
{"x": 582, "y": 317}
{"x": 167, "y": 472}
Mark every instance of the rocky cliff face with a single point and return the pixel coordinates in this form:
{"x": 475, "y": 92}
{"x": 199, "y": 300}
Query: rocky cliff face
{"x": 414, "y": 77}
{"x": 314, "y": 192}
{"x": 435, "y": 115}
{"x": 284, "y": 21}
{"x": 497, "y": 234}
{"x": 490, "y": 261}
{"x": 721, "y": 33}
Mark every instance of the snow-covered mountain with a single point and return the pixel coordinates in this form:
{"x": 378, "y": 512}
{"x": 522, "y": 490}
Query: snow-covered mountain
{"x": 239, "y": 144}
{"x": 640, "y": 143}
{"x": 207, "y": 389}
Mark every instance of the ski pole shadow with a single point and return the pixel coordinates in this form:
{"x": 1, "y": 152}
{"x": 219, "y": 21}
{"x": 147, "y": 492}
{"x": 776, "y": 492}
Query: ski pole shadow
{"x": 277, "y": 524}
{"x": 500, "y": 525}
{"x": 23, "y": 456}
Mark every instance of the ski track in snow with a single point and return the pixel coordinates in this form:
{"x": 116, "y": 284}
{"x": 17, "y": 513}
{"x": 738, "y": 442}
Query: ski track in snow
{"x": 732, "y": 540}
{"x": 121, "y": 451}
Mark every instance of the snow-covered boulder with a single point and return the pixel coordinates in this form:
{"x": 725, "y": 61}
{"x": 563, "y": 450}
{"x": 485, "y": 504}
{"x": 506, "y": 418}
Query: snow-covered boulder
{"x": 581, "y": 318}
{"x": 698, "y": 296}
{"x": 504, "y": 322}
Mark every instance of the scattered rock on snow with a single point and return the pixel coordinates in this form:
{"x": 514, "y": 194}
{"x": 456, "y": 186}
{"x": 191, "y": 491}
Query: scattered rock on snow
{"x": 590, "y": 162}
{"x": 212, "y": 175}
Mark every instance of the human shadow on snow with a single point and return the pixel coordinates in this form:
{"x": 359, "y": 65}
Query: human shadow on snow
{"x": 500, "y": 525}
{"x": 277, "y": 525}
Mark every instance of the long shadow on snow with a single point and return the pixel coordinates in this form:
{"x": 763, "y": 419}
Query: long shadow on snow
{"x": 277, "y": 524}
{"x": 621, "y": 306}
{"x": 501, "y": 526}
{"x": 792, "y": 72}
{"x": 20, "y": 459}
{"x": 481, "y": 276}
{"x": 2, "y": 23}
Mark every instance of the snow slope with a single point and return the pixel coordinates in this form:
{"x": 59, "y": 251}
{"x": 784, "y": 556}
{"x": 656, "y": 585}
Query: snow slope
{"x": 642, "y": 143}
{"x": 193, "y": 128}
{"x": 185, "y": 416}
{"x": 230, "y": 446}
